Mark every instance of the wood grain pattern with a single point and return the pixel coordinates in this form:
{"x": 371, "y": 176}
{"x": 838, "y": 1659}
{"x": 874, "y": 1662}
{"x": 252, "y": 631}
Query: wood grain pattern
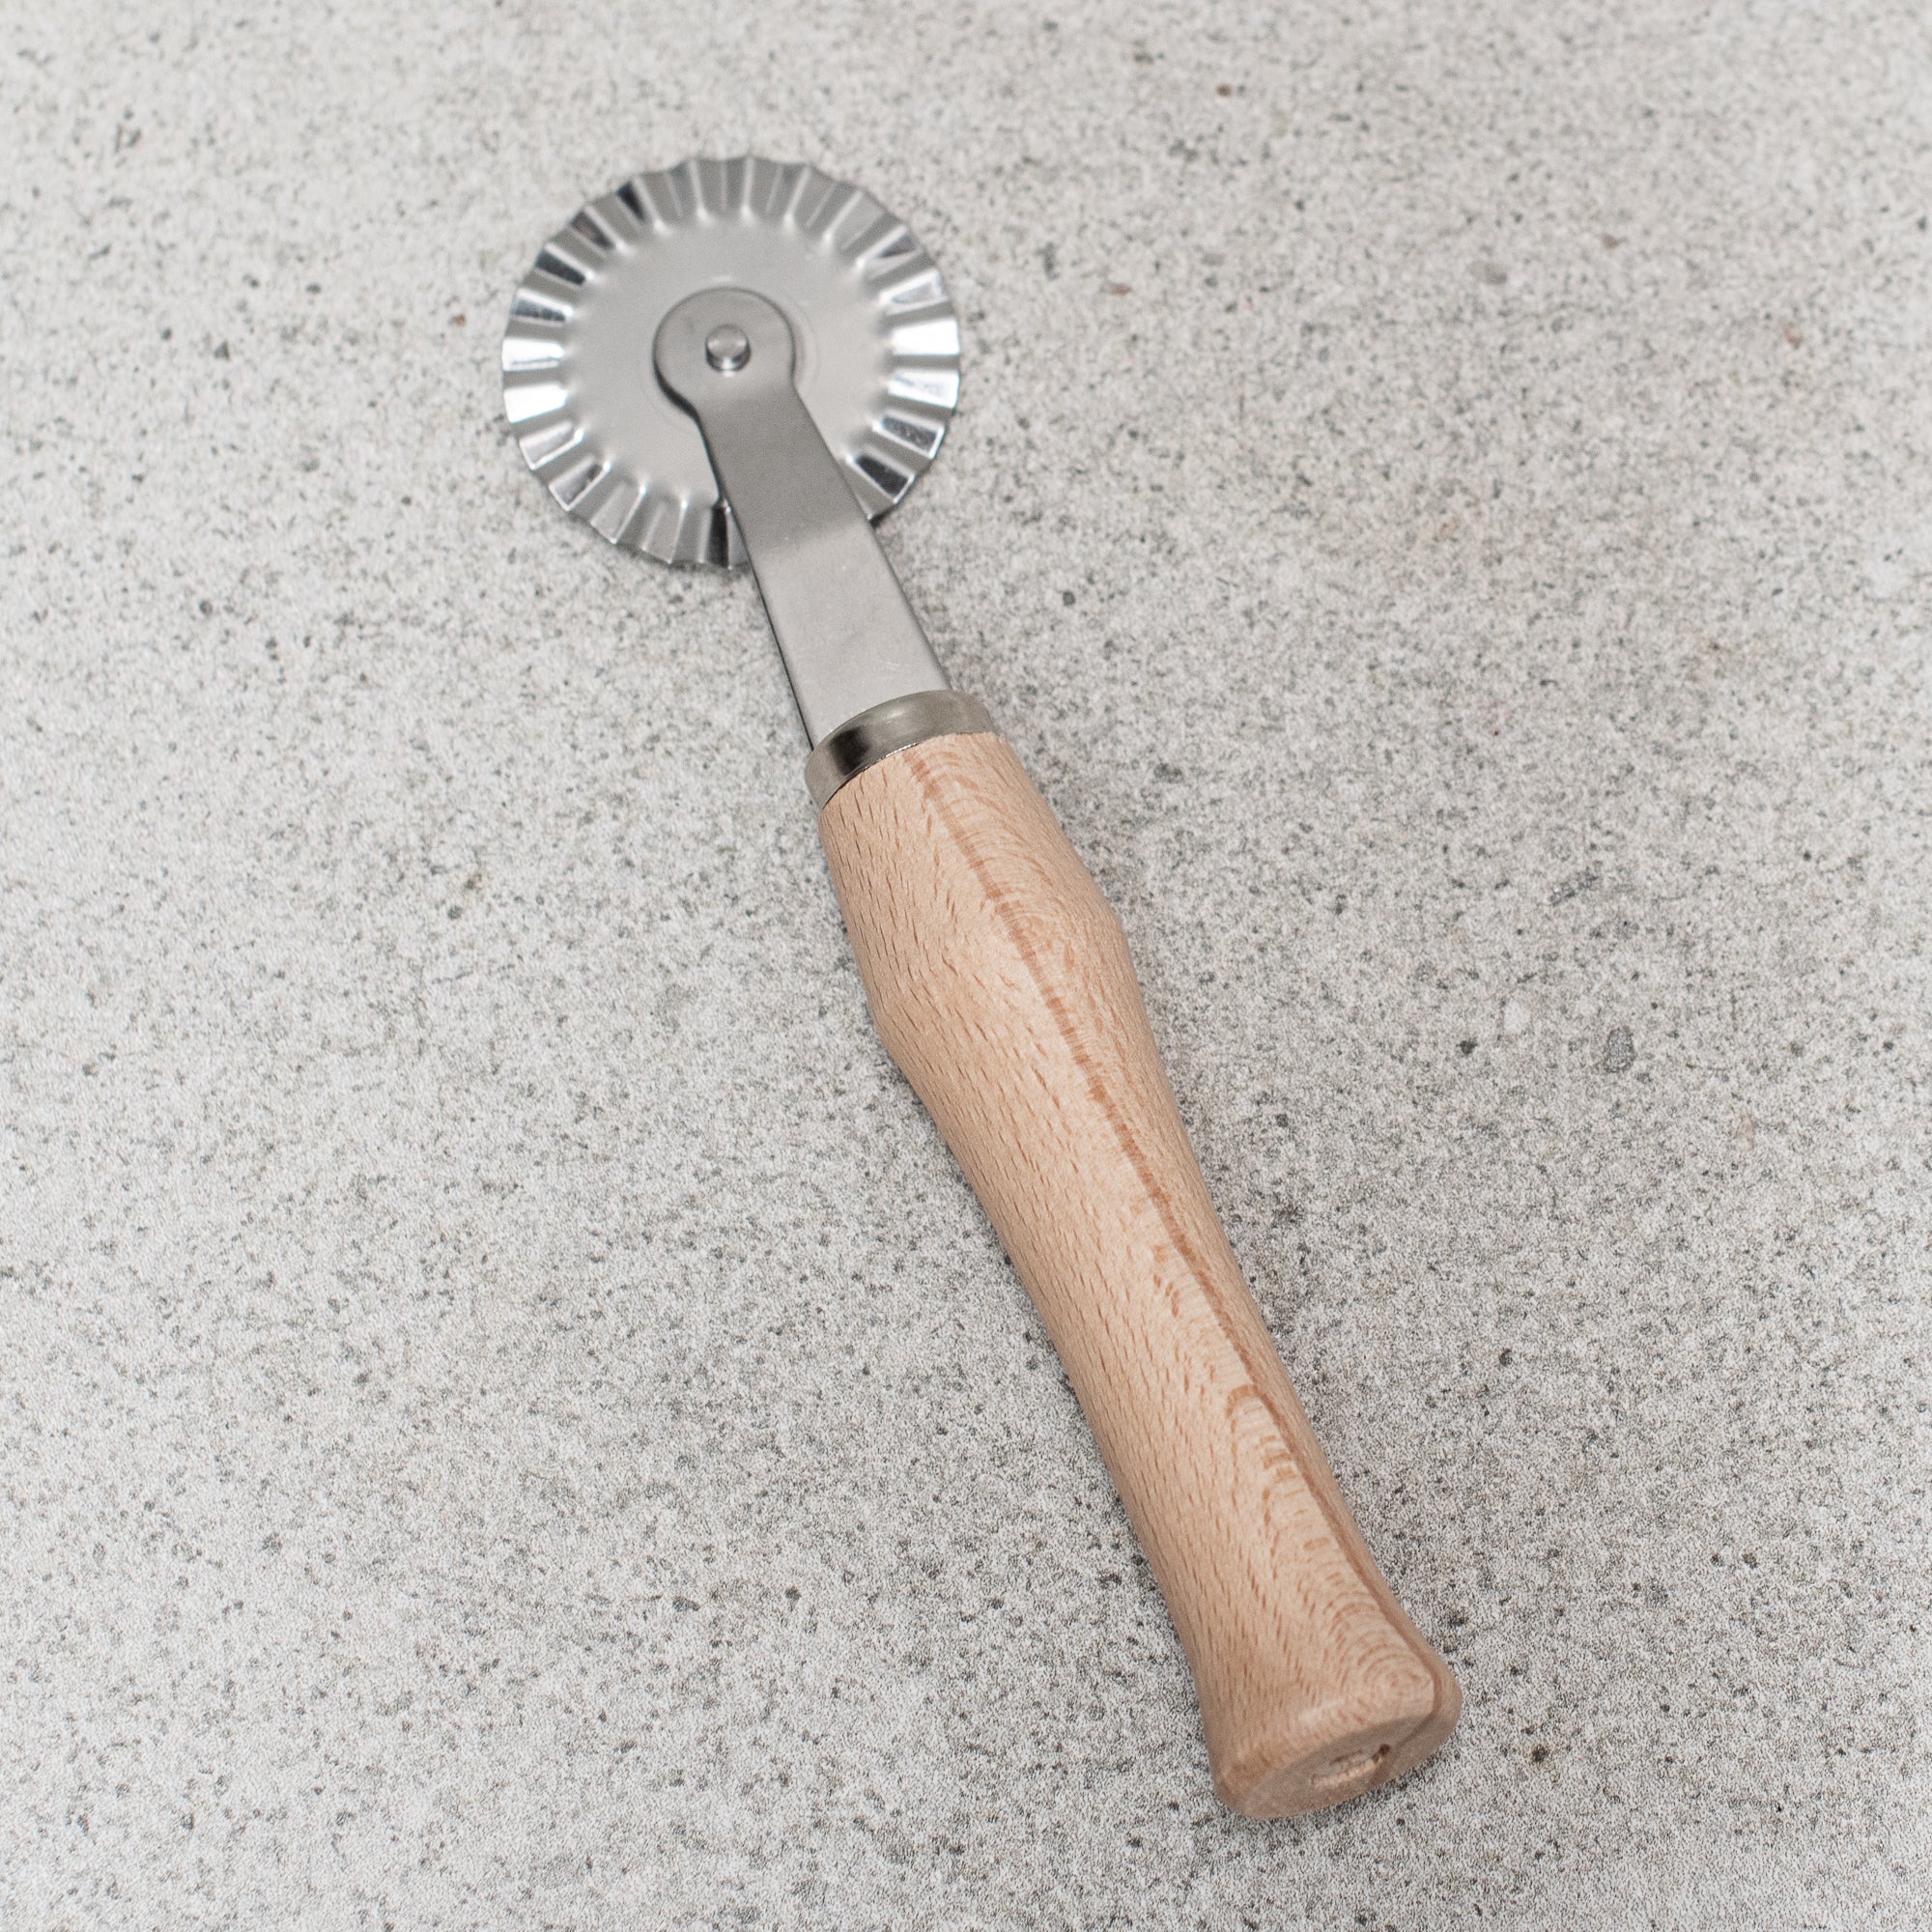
{"x": 1001, "y": 982}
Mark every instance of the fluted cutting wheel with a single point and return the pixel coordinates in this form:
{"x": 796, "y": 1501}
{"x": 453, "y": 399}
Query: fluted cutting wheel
{"x": 877, "y": 344}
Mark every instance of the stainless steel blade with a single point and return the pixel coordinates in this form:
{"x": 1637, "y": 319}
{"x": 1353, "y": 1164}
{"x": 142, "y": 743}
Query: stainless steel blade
{"x": 877, "y": 345}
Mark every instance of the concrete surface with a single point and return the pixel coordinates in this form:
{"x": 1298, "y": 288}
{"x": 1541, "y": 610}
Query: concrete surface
{"x": 509, "y": 1416}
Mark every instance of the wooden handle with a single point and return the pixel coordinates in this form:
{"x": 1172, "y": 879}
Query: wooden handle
{"x": 1001, "y": 982}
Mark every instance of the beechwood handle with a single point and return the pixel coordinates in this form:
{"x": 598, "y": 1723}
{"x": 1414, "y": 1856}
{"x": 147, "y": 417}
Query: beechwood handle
{"x": 1001, "y": 982}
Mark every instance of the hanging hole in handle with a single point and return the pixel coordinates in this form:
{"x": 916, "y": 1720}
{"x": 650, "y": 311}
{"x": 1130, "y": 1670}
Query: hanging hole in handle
{"x": 1350, "y": 1768}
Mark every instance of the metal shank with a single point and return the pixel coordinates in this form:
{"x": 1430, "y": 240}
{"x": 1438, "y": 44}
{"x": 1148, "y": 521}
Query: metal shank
{"x": 850, "y": 639}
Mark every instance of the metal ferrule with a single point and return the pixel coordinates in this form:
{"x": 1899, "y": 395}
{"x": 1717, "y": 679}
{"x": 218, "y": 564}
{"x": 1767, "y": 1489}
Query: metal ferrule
{"x": 862, "y": 742}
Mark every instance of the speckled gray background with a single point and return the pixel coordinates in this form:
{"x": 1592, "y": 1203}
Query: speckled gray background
{"x": 509, "y": 1416}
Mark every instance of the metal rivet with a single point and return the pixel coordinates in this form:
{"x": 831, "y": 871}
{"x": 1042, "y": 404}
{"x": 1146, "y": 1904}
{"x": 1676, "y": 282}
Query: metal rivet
{"x": 728, "y": 348}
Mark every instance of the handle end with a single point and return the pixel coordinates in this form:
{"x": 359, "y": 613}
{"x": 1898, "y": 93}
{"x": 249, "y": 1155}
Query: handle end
{"x": 1326, "y": 1755}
